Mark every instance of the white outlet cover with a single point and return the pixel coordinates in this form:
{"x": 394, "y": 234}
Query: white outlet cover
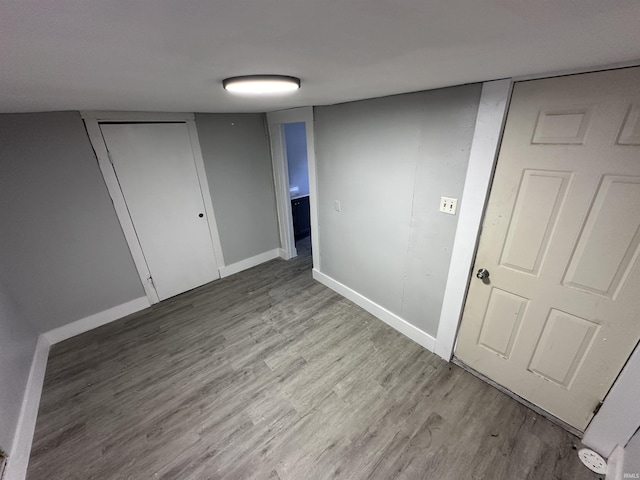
{"x": 592, "y": 460}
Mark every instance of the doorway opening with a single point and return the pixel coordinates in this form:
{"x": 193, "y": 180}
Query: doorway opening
{"x": 295, "y": 139}
{"x": 294, "y": 176}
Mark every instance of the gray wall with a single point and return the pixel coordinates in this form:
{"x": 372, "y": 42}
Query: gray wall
{"x": 632, "y": 456}
{"x": 238, "y": 165}
{"x": 61, "y": 246}
{"x": 295, "y": 135}
{"x": 17, "y": 344}
{"x": 388, "y": 161}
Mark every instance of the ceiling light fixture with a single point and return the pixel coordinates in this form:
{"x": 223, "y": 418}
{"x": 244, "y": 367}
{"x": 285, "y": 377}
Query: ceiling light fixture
{"x": 261, "y": 84}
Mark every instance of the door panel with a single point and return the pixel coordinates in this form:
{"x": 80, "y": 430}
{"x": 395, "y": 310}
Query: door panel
{"x": 564, "y": 343}
{"x": 630, "y": 131}
{"x": 502, "y": 321}
{"x": 538, "y": 204}
{"x": 566, "y": 126}
{"x": 155, "y": 167}
{"x": 557, "y": 319}
{"x": 608, "y": 244}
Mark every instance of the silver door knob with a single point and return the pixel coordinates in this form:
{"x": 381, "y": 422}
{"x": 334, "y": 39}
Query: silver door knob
{"x": 482, "y": 273}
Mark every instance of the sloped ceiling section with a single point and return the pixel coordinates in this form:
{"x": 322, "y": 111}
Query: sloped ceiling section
{"x": 167, "y": 55}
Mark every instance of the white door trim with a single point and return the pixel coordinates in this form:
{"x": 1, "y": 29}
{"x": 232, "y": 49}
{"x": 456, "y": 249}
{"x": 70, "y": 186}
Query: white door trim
{"x": 109, "y": 174}
{"x": 275, "y": 120}
{"x": 92, "y": 122}
{"x": 492, "y": 113}
{"x": 279, "y": 163}
{"x": 142, "y": 117}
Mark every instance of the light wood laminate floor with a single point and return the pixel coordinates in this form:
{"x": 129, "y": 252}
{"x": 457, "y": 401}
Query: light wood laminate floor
{"x": 269, "y": 375}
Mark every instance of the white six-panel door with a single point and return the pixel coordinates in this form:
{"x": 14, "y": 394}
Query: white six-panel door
{"x": 156, "y": 172}
{"x": 560, "y": 311}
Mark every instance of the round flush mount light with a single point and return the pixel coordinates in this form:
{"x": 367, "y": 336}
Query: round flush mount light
{"x": 261, "y": 84}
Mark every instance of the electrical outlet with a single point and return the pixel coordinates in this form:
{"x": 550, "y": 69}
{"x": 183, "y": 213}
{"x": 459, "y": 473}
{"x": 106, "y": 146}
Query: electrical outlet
{"x": 448, "y": 205}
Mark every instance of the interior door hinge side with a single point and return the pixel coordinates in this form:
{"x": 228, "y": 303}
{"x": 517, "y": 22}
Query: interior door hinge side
{"x": 597, "y": 409}
{"x": 109, "y": 157}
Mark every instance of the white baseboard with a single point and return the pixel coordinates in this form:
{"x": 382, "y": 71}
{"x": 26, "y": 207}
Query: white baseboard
{"x": 96, "y": 320}
{"x": 391, "y": 319}
{"x": 249, "y": 262}
{"x": 21, "y": 448}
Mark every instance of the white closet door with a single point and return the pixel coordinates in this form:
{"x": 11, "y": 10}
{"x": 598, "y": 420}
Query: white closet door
{"x": 155, "y": 167}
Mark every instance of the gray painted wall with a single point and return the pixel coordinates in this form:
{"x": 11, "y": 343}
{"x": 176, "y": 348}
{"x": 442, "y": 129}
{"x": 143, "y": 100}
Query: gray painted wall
{"x": 632, "y": 456}
{"x": 295, "y": 135}
{"x": 61, "y": 245}
{"x": 238, "y": 165}
{"x": 17, "y": 345}
{"x": 388, "y": 161}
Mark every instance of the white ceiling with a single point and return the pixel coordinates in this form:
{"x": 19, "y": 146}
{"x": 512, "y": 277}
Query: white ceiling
{"x": 171, "y": 55}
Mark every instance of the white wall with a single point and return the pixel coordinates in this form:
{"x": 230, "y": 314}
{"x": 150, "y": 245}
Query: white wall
{"x": 296, "y": 145}
{"x": 18, "y": 340}
{"x": 237, "y": 160}
{"x": 388, "y": 161}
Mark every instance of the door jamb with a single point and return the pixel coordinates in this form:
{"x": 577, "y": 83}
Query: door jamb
{"x": 275, "y": 122}
{"x": 92, "y": 120}
{"x": 492, "y": 113}
{"x": 280, "y": 167}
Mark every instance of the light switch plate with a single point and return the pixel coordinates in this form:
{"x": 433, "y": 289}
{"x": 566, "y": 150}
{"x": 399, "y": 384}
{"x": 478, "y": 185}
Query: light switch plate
{"x": 338, "y": 206}
{"x": 448, "y": 205}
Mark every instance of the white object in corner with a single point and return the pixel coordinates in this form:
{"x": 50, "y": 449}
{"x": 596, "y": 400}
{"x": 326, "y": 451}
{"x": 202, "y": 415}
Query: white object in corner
{"x": 96, "y": 320}
{"x": 391, "y": 319}
{"x": 250, "y": 262}
{"x": 592, "y": 460}
{"x": 21, "y": 449}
